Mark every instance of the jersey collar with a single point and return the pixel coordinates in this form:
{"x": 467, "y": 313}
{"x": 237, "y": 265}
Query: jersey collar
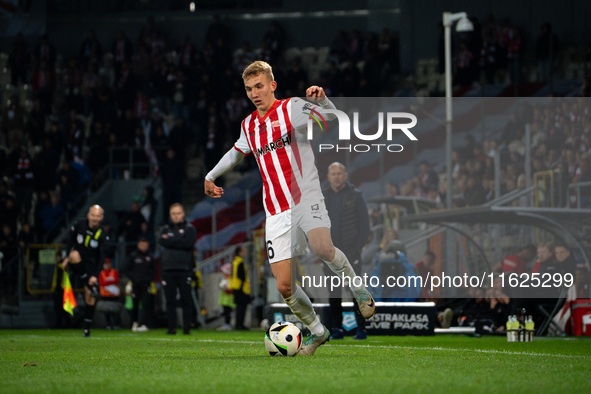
{"x": 272, "y": 108}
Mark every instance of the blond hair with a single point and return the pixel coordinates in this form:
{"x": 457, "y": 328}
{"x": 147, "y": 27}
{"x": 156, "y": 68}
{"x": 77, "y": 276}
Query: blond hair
{"x": 256, "y": 68}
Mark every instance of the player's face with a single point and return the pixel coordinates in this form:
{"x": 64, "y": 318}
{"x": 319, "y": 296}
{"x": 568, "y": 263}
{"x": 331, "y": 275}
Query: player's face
{"x": 260, "y": 90}
{"x": 177, "y": 215}
{"x": 95, "y": 216}
{"x": 337, "y": 177}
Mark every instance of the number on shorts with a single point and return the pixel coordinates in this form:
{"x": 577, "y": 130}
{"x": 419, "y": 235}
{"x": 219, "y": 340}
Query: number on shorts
{"x": 270, "y": 250}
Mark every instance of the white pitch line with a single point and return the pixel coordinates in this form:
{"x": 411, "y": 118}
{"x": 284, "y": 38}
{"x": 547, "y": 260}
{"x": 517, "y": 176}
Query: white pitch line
{"x": 443, "y": 349}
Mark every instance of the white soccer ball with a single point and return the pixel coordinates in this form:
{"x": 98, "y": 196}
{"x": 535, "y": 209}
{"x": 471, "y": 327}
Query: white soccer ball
{"x": 283, "y": 339}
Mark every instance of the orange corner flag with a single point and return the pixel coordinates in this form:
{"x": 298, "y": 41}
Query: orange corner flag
{"x": 69, "y": 299}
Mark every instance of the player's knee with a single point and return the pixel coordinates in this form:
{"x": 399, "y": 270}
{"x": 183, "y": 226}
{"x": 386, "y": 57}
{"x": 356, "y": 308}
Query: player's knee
{"x": 284, "y": 289}
{"x": 74, "y": 257}
{"x": 325, "y": 252}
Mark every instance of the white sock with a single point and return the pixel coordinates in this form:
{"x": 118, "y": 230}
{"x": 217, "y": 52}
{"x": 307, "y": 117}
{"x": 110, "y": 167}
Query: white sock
{"x": 301, "y": 306}
{"x": 341, "y": 266}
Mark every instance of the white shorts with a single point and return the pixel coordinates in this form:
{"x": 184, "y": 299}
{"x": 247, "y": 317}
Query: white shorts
{"x": 286, "y": 231}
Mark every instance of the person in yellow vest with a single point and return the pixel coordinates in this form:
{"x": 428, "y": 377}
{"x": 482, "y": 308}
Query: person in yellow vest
{"x": 240, "y": 286}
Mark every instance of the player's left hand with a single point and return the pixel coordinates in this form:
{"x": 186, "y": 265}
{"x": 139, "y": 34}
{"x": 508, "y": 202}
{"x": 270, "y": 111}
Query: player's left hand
{"x": 92, "y": 281}
{"x": 315, "y": 93}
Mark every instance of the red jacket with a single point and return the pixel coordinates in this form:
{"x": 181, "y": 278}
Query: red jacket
{"x": 109, "y": 283}
{"x": 513, "y": 263}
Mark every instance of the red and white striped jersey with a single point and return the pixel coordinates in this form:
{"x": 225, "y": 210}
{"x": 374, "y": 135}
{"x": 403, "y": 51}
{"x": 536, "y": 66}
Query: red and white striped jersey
{"x": 283, "y": 153}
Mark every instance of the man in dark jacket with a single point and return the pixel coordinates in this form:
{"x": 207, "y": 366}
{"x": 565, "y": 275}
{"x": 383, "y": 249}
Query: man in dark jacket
{"x": 141, "y": 270}
{"x": 177, "y": 238}
{"x": 349, "y": 231}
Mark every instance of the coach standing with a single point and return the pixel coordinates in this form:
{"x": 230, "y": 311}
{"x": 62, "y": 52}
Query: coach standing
{"x": 350, "y": 231}
{"x": 178, "y": 238}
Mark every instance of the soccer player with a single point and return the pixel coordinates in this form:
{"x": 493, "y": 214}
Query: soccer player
{"x": 86, "y": 257}
{"x": 292, "y": 195}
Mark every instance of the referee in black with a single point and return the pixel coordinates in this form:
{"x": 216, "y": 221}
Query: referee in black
{"x": 87, "y": 256}
{"x": 178, "y": 239}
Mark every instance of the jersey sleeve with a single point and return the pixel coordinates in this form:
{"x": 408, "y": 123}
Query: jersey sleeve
{"x": 300, "y": 111}
{"x": 241, "y": 145}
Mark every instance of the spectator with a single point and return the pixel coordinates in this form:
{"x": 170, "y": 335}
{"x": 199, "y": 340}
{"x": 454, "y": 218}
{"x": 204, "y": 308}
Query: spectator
{"x": 44, "y": 84}
{"x": 149, "y": 206}
{"x": 475, "y": 193}
{"x": 14, "y": 121}
{"x": 19, "y": 60}
{"x": 91, "y": 50}
{"x": 141, "y": 269}
{"x": 488, "y": 59}
{"x": 274, "y": 38}
{"x": 146, "y": 233}
{"x": 514, "y": 51}
{"x": 57, "y": 142}
{"x": 516, "y": 262}
{"x": 51, "y": 215}
{"x": 110, "y": 292}
{"x": 465, "y": 75}
{"x": 240, "y": 286}
{"x": 180, "y": 137}
{"x": 243, "y": 57}
{"x": 122, "y": 52}
{"x": 547, "y": 49}
{"x": 428, "y": 177}
{"x": 36, "y": 124}
{"x": 235, "y": 109}
{"x": 24, "y": 183}
{"x": 26, "y": 237}
{"x": 8, "y": 252}
{"x": 132, "y": 225}
{"x": 564, "y": 263}
{"x": 68, "y": 182}
{"x": 45, "y": 52}
{"x": 42, "y": 200}
{"x": 172, "y": 172}
{"x": 46, "y": 164}
{"x": 9, "y": 215}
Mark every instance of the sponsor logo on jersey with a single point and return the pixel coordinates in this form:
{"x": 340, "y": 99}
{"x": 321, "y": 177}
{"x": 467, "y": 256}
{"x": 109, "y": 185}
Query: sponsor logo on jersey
{"x": 280, "y": 143}
{"x": 80, "y": 238}
{"x": 309, "y": 110}
{"x": 181, "y": 231}
{"x": 93, "y": 243}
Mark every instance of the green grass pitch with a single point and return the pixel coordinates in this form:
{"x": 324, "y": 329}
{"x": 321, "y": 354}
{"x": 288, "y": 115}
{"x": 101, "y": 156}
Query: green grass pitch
{"x": 51, "y": 361}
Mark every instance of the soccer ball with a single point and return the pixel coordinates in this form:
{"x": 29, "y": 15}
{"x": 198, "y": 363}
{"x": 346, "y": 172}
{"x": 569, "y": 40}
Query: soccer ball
{"x": 283, "y": 339}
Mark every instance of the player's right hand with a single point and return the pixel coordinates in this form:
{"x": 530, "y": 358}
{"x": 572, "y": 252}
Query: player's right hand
{"x": 212, "y": 190}
{"x": 65, "y": 263}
